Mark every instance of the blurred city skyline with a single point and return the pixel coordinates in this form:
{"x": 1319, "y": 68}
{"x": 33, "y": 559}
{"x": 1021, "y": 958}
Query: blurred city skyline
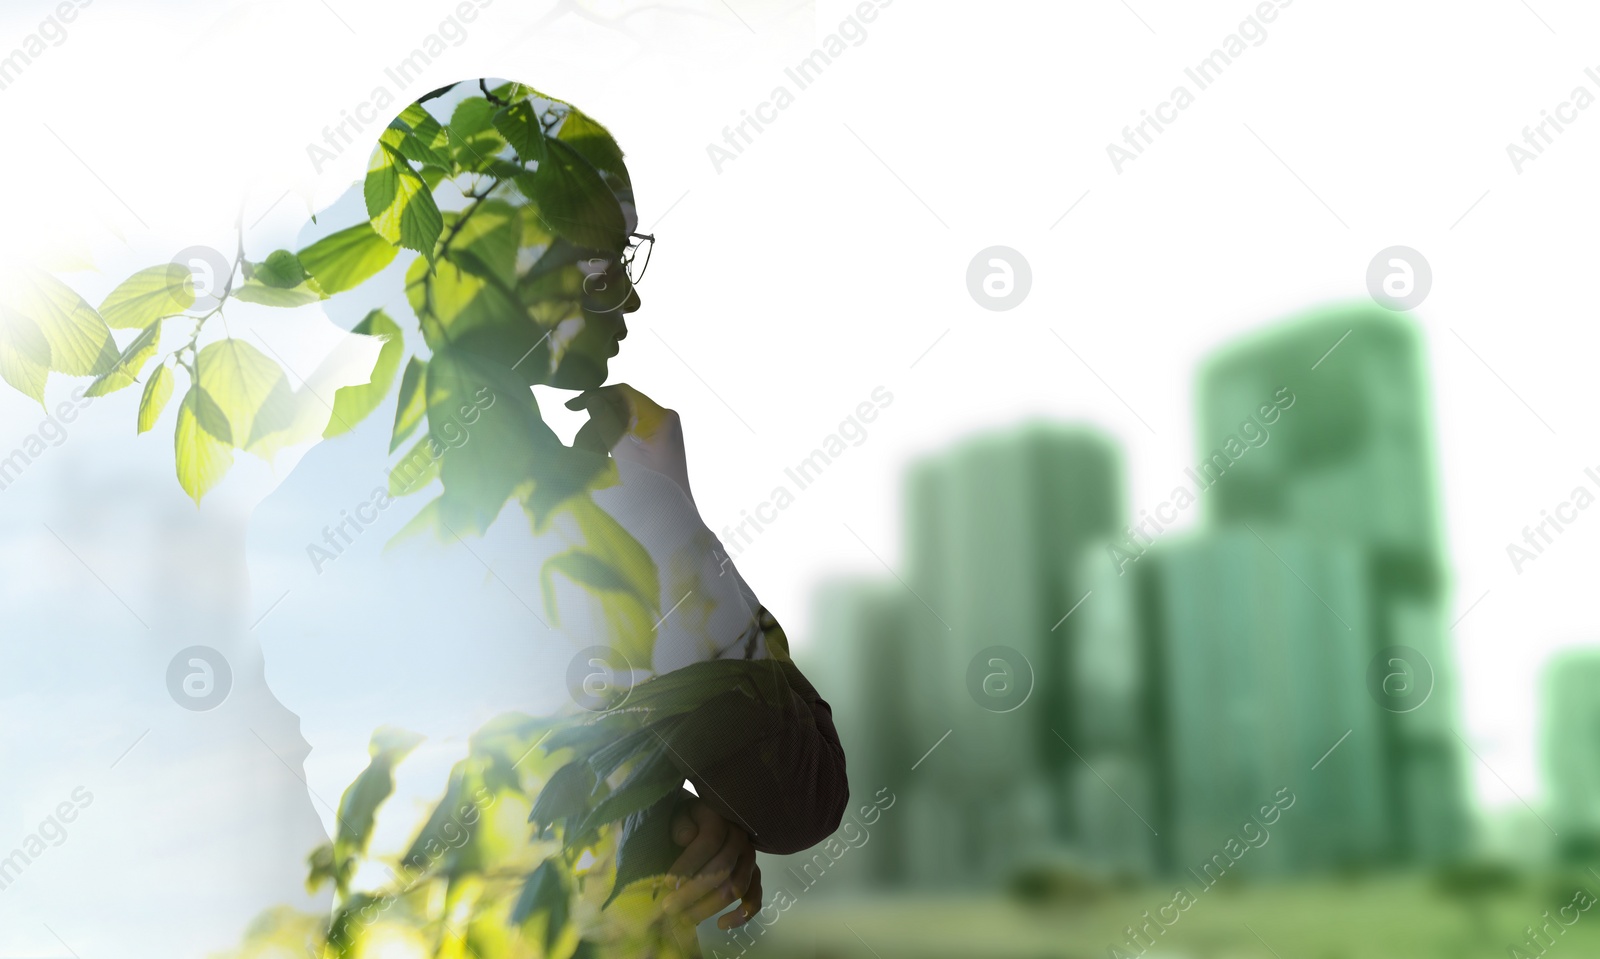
{"x": 1161, "y": 686}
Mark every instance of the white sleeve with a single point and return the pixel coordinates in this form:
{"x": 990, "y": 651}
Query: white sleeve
{"x": 707, "y": 609}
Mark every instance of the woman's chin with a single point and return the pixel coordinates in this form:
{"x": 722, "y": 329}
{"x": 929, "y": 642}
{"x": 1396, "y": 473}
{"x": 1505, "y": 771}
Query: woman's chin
{"x": 580, "y": 373}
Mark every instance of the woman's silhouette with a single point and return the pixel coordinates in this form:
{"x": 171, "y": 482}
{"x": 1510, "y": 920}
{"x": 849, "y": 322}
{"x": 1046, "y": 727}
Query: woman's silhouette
{"x": 534, "y": 260}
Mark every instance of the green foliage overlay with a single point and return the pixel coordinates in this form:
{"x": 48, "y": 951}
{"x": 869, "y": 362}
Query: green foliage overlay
{"x": 535, "y": 194}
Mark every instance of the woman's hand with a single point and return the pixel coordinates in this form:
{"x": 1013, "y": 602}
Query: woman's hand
{"x": 629, "y": 425}
{"x": 718, "y": 867}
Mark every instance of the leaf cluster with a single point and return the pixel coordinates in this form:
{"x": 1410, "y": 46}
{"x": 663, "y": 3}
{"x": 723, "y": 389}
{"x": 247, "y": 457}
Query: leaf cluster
{"x": 477, "y": 882}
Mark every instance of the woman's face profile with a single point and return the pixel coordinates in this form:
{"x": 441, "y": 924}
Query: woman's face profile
{"x": 608, "y": 297}
{"x": 537, "y": 257}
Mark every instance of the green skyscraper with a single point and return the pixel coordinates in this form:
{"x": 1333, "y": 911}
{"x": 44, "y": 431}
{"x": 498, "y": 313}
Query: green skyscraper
{"x": 993, "y": 528}
{"x": 1257, "y": 650}
{"x": 1351, "y": 459}
{"x": 1571, "y": 750}
{"x": 858, "y": 655}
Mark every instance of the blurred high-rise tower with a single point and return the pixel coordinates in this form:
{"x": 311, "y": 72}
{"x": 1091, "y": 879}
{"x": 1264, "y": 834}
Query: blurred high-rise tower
{"x": 1570, "y": 736}
{"x": 858, "y": 659}
{"x": 1253, "y": 648}
{"x": 992, "y": 527}
{"x": 1352, "y": 462}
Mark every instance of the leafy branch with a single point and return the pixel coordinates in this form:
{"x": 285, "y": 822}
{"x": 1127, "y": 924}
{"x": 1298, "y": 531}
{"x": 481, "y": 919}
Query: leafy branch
{"x": 579, "y": 887}
{"x": 494, "y": 290}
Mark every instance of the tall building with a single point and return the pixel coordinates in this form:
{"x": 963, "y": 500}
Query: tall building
{"x": 857, "y": 658}
{"x": 1341, "y": 399}
{"x": 1114, "y": 797}
{"x": 1570, "y": 737}
{"x": 992, "y": 527}
{"x": 1257, "y": 649}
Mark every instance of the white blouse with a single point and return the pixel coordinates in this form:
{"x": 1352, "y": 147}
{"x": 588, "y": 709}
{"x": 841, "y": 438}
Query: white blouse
{"x": 440, "y": 637}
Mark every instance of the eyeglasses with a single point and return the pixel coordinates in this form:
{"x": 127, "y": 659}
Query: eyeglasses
{"x": 603, "y": 293}
{"x": 630, "y": 256}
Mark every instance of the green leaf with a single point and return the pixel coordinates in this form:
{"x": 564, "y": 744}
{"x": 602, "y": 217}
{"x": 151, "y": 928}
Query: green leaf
{"x": 80, "y": 341}
{"x": 552, "y": 273}
{"x": 251, "y": 391}
{"x": 352, "y": 404}
{"x": 413, "y": 404}
{"x": 519, "y": 124}
{"x": 323, "y": 868}
{"x": 130, "y": 364}
{"x": 24, "y": 354}
{"x": 399, "y": 203}
{"x": 255, "y": 291}
{"x": 149, "y": 295}
{"x": 587, "y": 569}
{"x": 437, "y": 844}
{"x": 491, "y": 235}
{"x": 426, "y": 521}
{"x": 567, "y": 474}
{"x": 595, "y": 144}
{"x": 654, "y": 776}
{"x": 358, "y": 807}
{"x": 281, "y": 270}
{"x": 515, "y": 90}
{"x": 690, "y": 687}
{"x": 573, "y": 201}
{"x": 472, "y": 136}
{"x": 545, "y": 901}
{"x": 427, "y": 142}
{"x": 584, "y": 738}
{"x": 535, "y": 234}
{"x": 416, "y": 469}
{"x": 506, "y": 743}
{"x": 348, "y": 258}
{"x": 488, "y": 424}
{"x": 212, "y": 418}
{"x": 202, "y": 458}
{"x": 433, "y": 176}
{"x": 567, "y": 191}
{"x": 584, "y": 568}
{"x": 614, "y": 755}
{"x": 449, "y": 300}
{"x": 630, "y": 586}
{"x": 565, "y": 794}
{"x": 157, "y": 390}
{"x": 511, "y": 735}
{"x": 349, "y": 926}
{"x": 472, "y": 116}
